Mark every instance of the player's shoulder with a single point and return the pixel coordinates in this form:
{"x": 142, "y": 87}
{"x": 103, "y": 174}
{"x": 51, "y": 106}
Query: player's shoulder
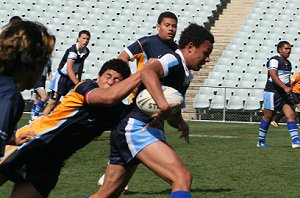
{"x": 72, "y": 48}
{"x": 85, "y": 86}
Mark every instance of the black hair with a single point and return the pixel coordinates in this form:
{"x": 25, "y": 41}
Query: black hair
{"x": 281, "y": 44}
{"x": 166, "y": 14}
{"x": 117, "y": 65}
{"x": 15, "y": 18}
{"x": 84, "y": 32}
{"x": 196, "y": 34}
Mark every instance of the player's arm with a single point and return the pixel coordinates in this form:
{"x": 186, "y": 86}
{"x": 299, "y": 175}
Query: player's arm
{"x": 115, "y": 93}
{"x": 124, "y": 56}
{"x": 151, "y": 74}
{"x": 273, "y": 73}
{"x": 23, "y": 137}
{"x": 179, "y": 123}
{"x": 79, "y": 74}
{"x": 70, "y": 71}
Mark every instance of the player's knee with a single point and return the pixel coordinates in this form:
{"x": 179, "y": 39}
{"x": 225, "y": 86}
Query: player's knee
{"x": 183, "y": 178}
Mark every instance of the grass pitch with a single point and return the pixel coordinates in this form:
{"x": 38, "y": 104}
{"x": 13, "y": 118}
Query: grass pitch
{"x": 222, "y": 157}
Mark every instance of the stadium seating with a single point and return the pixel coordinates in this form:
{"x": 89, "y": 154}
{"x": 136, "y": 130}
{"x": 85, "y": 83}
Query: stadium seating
{"x": 125, "y": 20}
{"x": 267, "y": 24}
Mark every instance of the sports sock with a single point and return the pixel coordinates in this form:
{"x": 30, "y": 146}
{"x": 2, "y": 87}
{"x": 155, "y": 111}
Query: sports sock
{"x": 181, "y": 194}
{"x": 33, "y": 109}
{"x": 293, "y": 129}
{"x": 38, "y": 107}
{"x": 263, "y": 129}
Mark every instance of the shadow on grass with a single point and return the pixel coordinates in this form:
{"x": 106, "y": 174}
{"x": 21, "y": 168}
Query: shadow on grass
{"x": 167, "y": 191}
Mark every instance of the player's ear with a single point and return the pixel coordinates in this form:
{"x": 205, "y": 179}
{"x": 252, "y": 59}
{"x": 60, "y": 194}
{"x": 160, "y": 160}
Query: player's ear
{"x": 158, "y": 27}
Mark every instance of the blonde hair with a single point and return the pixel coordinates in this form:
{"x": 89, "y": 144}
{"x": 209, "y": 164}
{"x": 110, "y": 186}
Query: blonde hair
{"x": 24, "y": 45}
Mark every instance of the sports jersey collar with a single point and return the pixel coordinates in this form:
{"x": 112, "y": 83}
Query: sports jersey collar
{"x": 80, "y": 54}
{"x": 187, "y": 71}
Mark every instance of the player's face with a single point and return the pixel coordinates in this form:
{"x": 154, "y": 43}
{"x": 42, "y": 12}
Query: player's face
{"x": 109, "y": 78}
{"x": 198, "y": 56}
{"x": 83, "y": 40}
{"x": 167, "y": 29}
{"x": 285, "y": 50}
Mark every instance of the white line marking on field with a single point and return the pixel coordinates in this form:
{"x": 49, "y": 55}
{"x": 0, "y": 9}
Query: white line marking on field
{"x": 214, "y": 136}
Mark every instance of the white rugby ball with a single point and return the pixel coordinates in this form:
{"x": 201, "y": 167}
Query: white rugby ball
{"x": 146, "y": 103}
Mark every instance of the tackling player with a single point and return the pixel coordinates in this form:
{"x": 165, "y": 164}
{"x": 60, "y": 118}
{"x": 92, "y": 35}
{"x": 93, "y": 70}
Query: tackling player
{"x": 91, "y": 108}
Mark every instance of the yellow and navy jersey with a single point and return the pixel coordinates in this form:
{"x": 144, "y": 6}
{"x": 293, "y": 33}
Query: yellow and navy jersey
{"x": 73, "y": 123}
{"x": 11, "y": 108}
{"x": 284, "y": 68}
{"x": 148, "y": 47}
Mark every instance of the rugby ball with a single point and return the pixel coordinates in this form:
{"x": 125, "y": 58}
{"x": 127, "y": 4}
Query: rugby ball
{"x": 147, "y": 105}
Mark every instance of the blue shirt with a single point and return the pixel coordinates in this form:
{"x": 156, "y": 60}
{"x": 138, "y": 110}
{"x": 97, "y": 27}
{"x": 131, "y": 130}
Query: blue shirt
{"x": 11, "y": 108}
{"x": 284, "y": 68}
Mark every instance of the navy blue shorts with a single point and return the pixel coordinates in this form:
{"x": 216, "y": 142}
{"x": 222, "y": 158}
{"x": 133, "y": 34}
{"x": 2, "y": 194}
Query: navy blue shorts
{"x": 41, "y": 83}
{"x": 275, "y": 101}
{"x": 61, "y": 84}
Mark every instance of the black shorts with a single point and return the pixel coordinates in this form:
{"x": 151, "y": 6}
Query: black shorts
{"x": 296, "y": 98}
{"x": 40, "y": 83}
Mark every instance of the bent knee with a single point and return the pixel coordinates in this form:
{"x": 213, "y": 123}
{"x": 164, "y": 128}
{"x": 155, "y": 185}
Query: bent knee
{"x": 182, "y": 179}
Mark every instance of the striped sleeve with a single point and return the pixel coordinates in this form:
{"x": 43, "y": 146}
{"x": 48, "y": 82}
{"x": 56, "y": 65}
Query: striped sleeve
{"x": 168, "y": 61}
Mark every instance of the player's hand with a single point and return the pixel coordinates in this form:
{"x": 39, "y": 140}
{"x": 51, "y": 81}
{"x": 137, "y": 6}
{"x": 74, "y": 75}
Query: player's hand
{"x": 25, "y": 137}
{"x": 185, "y": 130}
{"x": 165, "y": 113}
{"x": 287, "y": 89}
{"x": 156, "y": 123}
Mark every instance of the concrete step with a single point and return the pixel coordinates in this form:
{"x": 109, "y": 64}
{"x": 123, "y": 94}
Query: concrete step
{"x": 224, "y": 29}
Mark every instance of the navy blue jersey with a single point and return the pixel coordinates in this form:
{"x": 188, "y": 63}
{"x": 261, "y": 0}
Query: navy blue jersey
{"x": 284, "y": 68}
{"x": 78, "y": 58}
{"x": 11, "y": 108}
{"x": 149, "y": 47}
{"x": 176, "y": 75}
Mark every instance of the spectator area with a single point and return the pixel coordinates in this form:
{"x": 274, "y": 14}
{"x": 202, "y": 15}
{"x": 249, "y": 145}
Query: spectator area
{"x": 113, "y": 24}
{"x": 241, "y": 67}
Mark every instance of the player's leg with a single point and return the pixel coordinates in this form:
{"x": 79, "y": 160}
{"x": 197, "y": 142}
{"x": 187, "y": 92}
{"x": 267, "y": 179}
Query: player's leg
{"x": 25, "y": 190}
{"x": 266, "y": 119}
{"x": 263, "y": 127}
{"x": 164, "y": 161}
{"x": 40, "y": 99}
{"x": 43, "y": 98}
{"x": 54, "y": 98}
{"x": 116, "y": 178}
{"x": 290, "y": 114}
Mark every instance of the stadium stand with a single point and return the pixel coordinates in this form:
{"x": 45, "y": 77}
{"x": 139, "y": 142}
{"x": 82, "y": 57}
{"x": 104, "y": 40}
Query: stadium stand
{"x": 113, "y": 24}
{"x": 266, "y": 24}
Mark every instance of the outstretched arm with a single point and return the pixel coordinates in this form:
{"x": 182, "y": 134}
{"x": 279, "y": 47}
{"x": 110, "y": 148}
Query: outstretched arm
{"x": 115, "y": 93}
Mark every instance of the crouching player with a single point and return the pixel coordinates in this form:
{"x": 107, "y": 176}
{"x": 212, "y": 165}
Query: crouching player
{"x": 91, "y": 108}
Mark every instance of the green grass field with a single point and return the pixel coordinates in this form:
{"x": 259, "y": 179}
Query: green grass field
{"x": 222, "y": 157}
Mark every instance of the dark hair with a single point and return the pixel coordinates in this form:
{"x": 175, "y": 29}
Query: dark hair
{"x": 281, "y": 44}
{"x": 24, "y": 45}
{"x": 196, "y": 34}
{"x": 166, "y": 14}
{"x": 117, "y": 65}
{"x": 84, "y": 32}
{"x": 15, "y": 18}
